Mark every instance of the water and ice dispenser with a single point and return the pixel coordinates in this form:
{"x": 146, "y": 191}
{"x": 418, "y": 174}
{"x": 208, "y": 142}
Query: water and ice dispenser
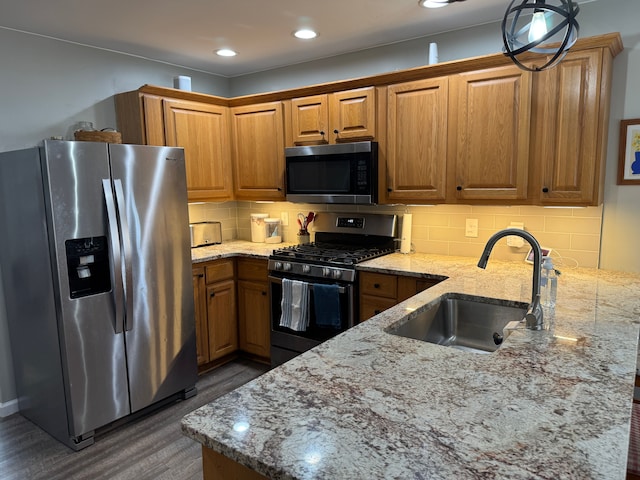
{"x": 88, "y": 266}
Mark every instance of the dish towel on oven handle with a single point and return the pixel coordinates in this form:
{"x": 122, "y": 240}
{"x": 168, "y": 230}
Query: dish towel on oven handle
{"x": 326, "y": 299}
{"x": 295, "y": 305}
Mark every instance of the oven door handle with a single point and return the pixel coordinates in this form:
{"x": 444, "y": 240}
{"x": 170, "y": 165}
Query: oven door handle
{"x": 278, "y": 280}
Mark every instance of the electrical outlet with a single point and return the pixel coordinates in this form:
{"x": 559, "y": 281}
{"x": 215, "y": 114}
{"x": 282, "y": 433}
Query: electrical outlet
{"x": 284, "y": 218}
{"x": 471, "y": 228}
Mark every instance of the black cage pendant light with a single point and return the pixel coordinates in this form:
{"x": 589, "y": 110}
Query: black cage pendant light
{"x": 545, "y": 27}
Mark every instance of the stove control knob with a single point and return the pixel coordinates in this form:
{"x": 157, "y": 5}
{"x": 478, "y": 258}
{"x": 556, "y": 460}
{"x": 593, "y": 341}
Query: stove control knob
{"x": 326, "y": 272}
{"x": 278, "y": 265}
{"x": 337, "y": 274}
{"x": 287, "y": 267}
{"x": 306, "y": 268}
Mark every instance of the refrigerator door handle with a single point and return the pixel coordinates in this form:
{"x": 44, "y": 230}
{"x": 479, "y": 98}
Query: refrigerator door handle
{"x": 115, "y": 259}
{"x": 127, "y": 254}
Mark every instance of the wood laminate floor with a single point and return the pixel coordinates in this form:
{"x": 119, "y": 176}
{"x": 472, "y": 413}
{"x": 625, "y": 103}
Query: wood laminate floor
{"x": 151, "y": 447}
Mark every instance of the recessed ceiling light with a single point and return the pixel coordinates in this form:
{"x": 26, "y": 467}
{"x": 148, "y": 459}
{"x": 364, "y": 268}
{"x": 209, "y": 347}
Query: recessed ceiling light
{"x": 226, "y": 52}
{"x": 305, "y": 34}
{"x": 435, "y": 3}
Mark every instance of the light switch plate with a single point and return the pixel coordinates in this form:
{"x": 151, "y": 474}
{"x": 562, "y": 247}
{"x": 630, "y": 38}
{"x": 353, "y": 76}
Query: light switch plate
{"x": 284, "y": 219}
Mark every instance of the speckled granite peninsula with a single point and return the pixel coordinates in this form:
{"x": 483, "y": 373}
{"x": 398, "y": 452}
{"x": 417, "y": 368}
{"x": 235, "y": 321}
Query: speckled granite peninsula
{"x": 551, "y": 404}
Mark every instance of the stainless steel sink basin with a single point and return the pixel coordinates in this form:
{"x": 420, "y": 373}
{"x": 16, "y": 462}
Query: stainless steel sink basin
{"x": 462, "y": 321}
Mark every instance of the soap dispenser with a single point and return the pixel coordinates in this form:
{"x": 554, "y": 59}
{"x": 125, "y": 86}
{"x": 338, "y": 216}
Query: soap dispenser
{"x": 548, "y": 283}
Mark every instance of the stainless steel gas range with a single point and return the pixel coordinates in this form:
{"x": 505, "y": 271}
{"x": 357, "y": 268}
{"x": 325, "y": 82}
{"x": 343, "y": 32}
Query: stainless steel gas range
{"x": 313, "y": 287}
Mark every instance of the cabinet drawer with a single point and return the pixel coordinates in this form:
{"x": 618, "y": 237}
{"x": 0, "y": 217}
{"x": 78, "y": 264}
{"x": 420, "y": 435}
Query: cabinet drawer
{"x": 371, "y": 306}
{"x": 252, "y": 269}
{"x": 219, "y": 270}
{"x": 379, "y": 284}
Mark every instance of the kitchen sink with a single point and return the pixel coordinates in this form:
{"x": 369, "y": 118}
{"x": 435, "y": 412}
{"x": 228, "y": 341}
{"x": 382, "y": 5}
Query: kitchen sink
{"x": 465, "y": 322}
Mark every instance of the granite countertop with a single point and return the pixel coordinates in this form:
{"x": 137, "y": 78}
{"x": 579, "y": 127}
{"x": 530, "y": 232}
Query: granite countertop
{"x": 366, "y": 404}
{"x": 235, "y": 248}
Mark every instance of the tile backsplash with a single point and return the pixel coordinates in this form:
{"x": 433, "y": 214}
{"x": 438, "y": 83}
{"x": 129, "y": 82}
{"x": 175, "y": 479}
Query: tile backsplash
{"x": 573, "y": 233}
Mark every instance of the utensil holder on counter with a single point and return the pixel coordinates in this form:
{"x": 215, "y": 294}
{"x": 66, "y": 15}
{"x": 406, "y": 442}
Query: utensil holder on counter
{"x": 304, "y": 238}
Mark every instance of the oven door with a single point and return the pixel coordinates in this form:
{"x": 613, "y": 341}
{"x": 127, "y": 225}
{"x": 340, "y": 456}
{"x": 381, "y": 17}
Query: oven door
{"x": 287, "y": 343}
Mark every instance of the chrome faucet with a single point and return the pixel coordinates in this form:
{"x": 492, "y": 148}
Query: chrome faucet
{"x": 534, "y": 320}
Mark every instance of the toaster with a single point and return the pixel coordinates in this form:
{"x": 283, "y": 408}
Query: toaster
{"x": 205, "y": 233}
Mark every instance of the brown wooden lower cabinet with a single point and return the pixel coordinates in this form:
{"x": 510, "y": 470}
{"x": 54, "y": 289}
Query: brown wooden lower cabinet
{"x": 216, "y": 466}
{"x": 215, "y": 311}
{"x": 379, "y": 291}
{"x": 231, "y": 310}
{"x": 254, "y": 321}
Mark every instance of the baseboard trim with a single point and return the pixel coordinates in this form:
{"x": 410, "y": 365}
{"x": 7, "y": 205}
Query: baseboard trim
{"x": 9, "y": 408}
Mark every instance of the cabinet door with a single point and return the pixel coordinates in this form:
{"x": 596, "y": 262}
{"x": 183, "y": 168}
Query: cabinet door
{"x": 200, "y": 301}
{"x": 221, "y": 313}
{"x": 569, "y": 130}
{"x": 309, "y": 120}
{"x": 491, "y": 134}
{"x": 352, "y": 115}
{"x": 254, "y": 317}
{"x": 258, "y": 151}
{"x": 203, "y": 131}
{"x": 417, "y": 141}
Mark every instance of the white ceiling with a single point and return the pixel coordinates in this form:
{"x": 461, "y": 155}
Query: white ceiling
{"x": 187, "y": 32}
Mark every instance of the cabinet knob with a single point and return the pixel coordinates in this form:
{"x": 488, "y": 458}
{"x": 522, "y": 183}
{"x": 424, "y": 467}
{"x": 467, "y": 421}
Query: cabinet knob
{"x": 264, "y": 294}
{"x": 389, "y": 190}
{"x": 212, "y": 294}
{"x": 376, "y": 285}
{"x": 459, "y": 188}
{"x": 336, "y": 131}
{"x": 201, "y": 275}
{"x": 545, "y": 190}
{"x": 279, "y": 189}
{"x": 377, "y": 312}
{"x": 322, "y": 132}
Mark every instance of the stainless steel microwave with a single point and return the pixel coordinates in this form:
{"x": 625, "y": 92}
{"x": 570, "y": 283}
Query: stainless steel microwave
{"x": 342, "y": 173}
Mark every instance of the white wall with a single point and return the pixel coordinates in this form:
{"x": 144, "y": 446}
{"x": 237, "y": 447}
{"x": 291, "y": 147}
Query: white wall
{"x": 48, "y": 85}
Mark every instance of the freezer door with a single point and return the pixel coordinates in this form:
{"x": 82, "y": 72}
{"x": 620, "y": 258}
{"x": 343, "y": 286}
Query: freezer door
{"x": 151, "y": 195}
{"x": 93, "y": 355}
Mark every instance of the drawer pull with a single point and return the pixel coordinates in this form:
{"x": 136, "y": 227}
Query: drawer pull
{"x": 376, "y": 285}
{"x": 377, "y": 311}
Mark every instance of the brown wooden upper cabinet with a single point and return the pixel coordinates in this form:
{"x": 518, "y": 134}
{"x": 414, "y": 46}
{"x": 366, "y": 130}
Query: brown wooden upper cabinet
{"x": 257, "y": 133}
{"x": 416, "y": 148}
{"x": 489, "y": 135}
{"x": 332, "y": 118}
{"x": 201, "y": 128}
{"x": 569, "y": 139}
{"x": 203, "y": 131}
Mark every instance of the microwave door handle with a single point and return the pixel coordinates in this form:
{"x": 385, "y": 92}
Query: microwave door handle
{"x": 115, "y": 259}
{"x": 127, "y": 254}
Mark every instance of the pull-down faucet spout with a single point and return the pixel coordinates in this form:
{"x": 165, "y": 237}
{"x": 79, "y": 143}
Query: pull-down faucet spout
{"x": 534, "y": 318}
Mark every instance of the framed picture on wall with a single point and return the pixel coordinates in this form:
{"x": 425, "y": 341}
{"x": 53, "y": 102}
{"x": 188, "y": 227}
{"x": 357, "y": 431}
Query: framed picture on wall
{"x": 629, "y": 154}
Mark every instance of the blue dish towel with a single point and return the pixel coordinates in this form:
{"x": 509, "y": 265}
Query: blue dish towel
{"x": 327, "y": 305}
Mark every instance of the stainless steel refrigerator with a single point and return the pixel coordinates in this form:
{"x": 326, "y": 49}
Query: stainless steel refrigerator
{"x": 96, "y": 267}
